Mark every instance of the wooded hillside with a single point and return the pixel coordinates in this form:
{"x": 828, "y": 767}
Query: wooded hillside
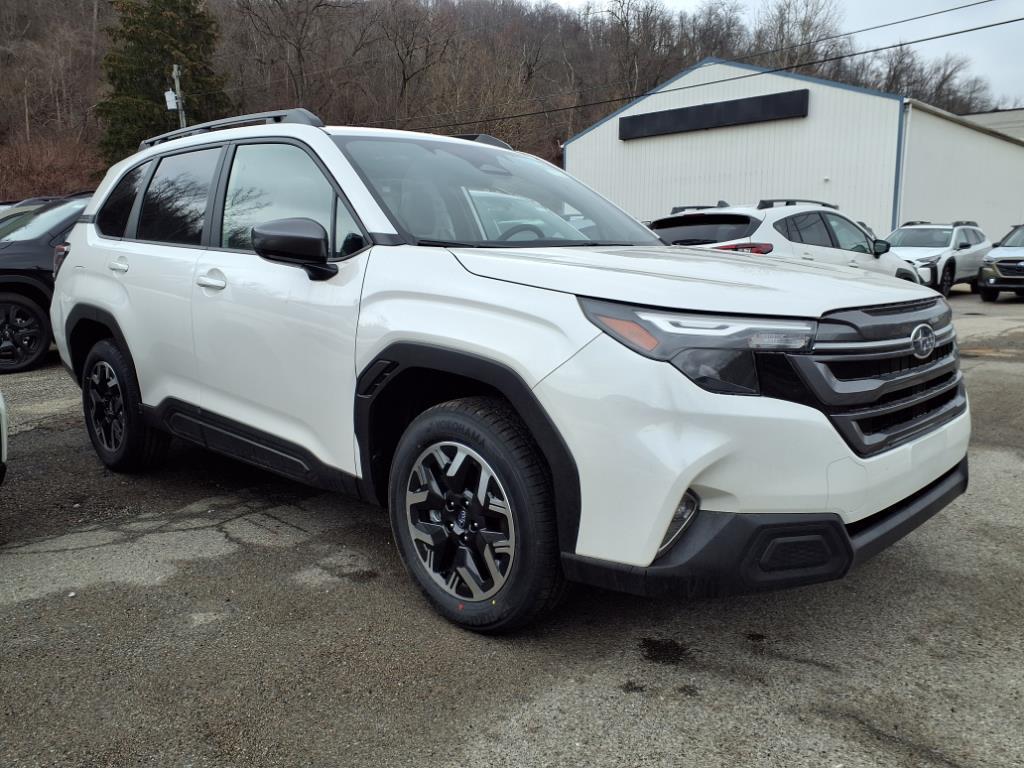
{"x": 438, "y": 65}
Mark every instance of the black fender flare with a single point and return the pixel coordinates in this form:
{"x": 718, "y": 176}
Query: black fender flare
{"x": 375, "y": 377}
{"x": 82, "y": 312}
{"x": 39, "y": 285}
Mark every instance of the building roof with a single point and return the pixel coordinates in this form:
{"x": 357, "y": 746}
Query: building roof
{"x": 662, "y": 87}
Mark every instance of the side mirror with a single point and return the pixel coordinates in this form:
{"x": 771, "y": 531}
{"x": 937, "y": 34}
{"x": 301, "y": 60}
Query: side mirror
{"x": 297, "y": 242}
{"x": 996, "y": 245}
{"x": 963, "y": 245}
{"x": 880, "y": 246}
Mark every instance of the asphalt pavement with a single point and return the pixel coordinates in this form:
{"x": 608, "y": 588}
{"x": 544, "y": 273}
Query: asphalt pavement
{"x": 212, "y": 614}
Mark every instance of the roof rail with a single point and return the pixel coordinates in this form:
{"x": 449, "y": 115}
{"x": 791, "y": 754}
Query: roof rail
{"x": 770, "y": 202}
{"x": 965, "y": 223}
{"x": 483, "y": 138}
{"x": 299, "y": 115}
{"x": 681, "y": 208}
{"x": 913, "y": 223}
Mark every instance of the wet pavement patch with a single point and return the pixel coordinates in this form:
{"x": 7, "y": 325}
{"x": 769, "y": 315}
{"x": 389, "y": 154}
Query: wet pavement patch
{"x": 664, "y": 651}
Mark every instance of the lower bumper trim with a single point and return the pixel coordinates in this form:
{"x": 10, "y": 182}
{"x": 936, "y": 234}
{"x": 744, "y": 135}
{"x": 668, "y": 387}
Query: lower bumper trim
{"x": 726, "y": 553}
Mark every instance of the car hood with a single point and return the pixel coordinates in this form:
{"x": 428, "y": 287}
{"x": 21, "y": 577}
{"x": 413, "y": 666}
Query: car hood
{"x": 916, "y": 254}
{"x": 1008, "y": 252}
{"x": 692, "y": 278}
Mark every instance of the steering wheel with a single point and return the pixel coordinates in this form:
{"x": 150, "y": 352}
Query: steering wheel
{"x": 508, "y": 233}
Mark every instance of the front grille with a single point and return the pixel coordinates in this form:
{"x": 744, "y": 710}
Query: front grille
{"x": 885, "y": 366}
{"x": 863, "y": 374}
{"x": 1011, "y": 267}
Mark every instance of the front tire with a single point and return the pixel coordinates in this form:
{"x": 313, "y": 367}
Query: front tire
{"x": 112, "y": 402}
{"x": 988, "y": 294}
{"x": 946, "y": 280}
{"x": 24, "y": 333}
{"x": 472, "y": 511}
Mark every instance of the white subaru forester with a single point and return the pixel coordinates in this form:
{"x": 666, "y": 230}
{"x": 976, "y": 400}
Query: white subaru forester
{"x": 534, "y": 386}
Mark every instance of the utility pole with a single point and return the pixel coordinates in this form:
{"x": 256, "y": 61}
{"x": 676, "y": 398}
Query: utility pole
{"x": 176, "y": 74}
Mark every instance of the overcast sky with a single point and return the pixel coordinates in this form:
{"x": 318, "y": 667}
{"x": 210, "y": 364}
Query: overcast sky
{"x": 995, "y": 53}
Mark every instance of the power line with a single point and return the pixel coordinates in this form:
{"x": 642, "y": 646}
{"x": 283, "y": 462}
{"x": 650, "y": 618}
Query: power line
{"x": 826, "y": 60}
{"x": 748, "y": 57}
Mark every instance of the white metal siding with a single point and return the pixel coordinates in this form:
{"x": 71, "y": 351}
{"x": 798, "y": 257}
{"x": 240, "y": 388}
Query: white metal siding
{"x": 844, "y": 151}
{"x": 1008, "y": 121}
{"x": 953, "y": 172}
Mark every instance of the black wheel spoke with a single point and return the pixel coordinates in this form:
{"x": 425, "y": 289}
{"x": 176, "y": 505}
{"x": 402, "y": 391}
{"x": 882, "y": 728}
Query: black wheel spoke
{"x": 459, "y": 520}
{"x": 105, "y": 406}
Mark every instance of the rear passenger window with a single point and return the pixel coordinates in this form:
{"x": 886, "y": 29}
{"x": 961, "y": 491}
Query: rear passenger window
{"x": 809, "y": 228}
{"x": 113, "y": 216}
{"x": 704, "y": 228}
{"x": 273, "y": 181}
{"x": 174, "y": 207}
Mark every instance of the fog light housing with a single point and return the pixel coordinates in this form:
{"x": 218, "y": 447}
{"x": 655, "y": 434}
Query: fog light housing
{"x": 681, "y": 519}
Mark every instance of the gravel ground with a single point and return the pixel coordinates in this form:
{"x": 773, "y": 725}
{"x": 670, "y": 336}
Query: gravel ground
{"x": 211, "y": 614}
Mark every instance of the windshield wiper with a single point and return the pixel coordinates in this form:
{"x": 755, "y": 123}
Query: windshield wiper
{"x": 693, "y": 241}
{"x": 445, "y": 244}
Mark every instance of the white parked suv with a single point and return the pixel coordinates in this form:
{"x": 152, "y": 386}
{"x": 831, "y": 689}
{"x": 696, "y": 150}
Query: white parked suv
{"x": 535, "y": 387}
{"x": 942, "y": 254}
{"x": 807, "y": 230}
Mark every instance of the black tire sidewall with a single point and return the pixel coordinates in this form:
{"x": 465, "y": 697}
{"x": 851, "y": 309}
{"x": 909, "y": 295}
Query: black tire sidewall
{"x": 43, "y": 317}
{"x": 519, "y": 593}
{"x": 126, "y": 457}
{"x": 949, "y": 272}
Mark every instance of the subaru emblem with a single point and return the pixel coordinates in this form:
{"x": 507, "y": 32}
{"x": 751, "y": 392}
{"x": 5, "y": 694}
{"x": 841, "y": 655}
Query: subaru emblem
{"x": 922, "y": 339}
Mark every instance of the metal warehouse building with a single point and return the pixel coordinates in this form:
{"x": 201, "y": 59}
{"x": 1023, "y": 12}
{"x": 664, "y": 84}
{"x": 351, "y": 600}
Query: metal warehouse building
{"x": 722, "y": 130}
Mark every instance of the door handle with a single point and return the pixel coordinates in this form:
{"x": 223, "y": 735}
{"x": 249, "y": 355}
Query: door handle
{"x": 208, "y": 281}
{"x": 118, "y": 266}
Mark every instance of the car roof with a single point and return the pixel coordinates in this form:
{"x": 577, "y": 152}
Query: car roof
{"x": 748, "y": 210}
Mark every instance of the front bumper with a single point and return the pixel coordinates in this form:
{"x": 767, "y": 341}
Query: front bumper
{"x": 990, "y": 277}
{"x": 928, "y": 273}
{"x": 725, "y": 553}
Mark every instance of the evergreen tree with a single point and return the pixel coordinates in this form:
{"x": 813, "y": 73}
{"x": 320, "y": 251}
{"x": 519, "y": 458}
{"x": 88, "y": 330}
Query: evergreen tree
{"x": 151, "y": 36}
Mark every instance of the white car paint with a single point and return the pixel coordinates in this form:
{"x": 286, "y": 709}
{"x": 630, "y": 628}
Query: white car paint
{"x": 963, "y": 252}
{"x": 768, "y": 231}
{"x": 277, "y": 351}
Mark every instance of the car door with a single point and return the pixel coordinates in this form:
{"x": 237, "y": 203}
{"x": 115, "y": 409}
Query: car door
{"x": 979, "y": 247}
{"x": 810, "y": 237}
{"x": 148, "y": 245}
{"x": 854, "y": 247}
{"x": 274, "y": 347}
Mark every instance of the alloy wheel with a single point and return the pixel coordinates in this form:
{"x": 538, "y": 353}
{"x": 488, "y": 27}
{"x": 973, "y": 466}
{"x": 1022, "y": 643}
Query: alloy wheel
{"x": 106, "y": 405}
{"x": 21, "y": 333}
{"x": 460, "y": 521}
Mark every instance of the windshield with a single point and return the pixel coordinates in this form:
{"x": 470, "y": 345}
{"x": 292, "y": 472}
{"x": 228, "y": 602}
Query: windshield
{"x": 918, "y": 237}
{"x": 41, "y": 221}
{"x": 1015, "y": 239}
{"x": 463, "y": 193}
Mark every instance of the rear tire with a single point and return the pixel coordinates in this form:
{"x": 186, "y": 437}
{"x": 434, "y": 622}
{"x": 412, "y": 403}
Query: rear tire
{"x": 25, "y": 334}
{"x": 974, "y": 286}
{"x": 112, "y": 403}
{"x": 472, "y": 511}
{"x": 988, "y": 294}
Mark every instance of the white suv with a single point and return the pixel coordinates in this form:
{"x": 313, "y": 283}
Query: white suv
{"x": 942, "y": 254}
{"x": 788, "y": 228}
{"x": 535, "y": 387}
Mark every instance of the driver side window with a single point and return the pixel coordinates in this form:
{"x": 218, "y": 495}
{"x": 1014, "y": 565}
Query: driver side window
{"x": 272, "y": 181}
{"x": 849, "y": 236}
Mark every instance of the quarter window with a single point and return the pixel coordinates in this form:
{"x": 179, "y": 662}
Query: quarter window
{"x": 348, "y": 238}
{"x": 174, "y": 208}
{"x": 275, "y": 181}
{"x": 849, "y": 236}
{"x": 809, "y": 228}
{"x": 113, "y": 216}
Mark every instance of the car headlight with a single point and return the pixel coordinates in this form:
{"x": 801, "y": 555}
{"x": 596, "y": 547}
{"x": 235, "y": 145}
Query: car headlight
{"x": 990, "y": 257}
{"x": 716, "y": 352}
{"x": 926, "y": 261}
